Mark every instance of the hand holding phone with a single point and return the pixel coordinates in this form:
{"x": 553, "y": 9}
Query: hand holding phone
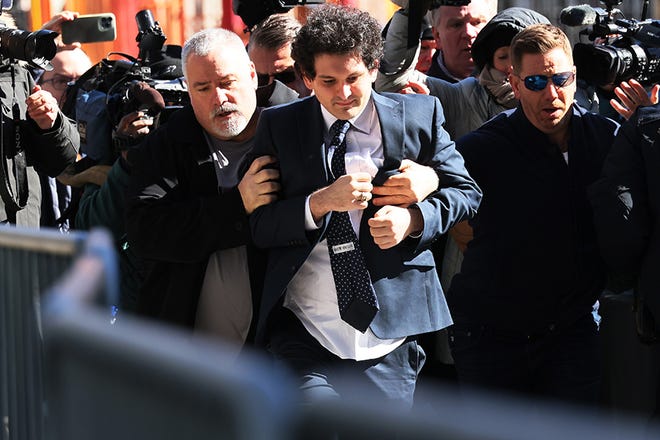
{"x": 90, "y": 28}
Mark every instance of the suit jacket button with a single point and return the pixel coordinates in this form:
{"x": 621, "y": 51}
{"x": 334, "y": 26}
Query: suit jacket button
{"x": 239, "y": 226}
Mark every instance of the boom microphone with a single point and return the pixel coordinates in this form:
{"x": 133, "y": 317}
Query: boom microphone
{"x": 149, "y": 99}
{"x": 581, "y": 15}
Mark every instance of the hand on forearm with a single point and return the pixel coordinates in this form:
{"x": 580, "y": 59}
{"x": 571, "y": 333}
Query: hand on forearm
{"x": 260, "y": 185}
{"x": 412, "y": 185}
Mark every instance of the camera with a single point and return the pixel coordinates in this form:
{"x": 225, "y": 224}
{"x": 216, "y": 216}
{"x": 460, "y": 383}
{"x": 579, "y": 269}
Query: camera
{"x": 114, "y": 87}
{"x": 36, "y": 48}
{"x": 150, "y": 37}
{"x": 625, "y": 48}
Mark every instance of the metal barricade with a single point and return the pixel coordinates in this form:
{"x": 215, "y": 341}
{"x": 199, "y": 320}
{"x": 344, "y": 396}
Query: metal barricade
{"x": 137, "y": 379}
{"x": 30, "y": 262}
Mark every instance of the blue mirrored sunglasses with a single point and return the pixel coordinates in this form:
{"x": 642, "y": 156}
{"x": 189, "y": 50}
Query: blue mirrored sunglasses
{"x": 537, "y": 83}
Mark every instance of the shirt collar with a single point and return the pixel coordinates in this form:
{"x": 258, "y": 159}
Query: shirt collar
{"x": 441, "y": 64}
{"x": 361, "y": 122}
{"x": 532, "y": 134}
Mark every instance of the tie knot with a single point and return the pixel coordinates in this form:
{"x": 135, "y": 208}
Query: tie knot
{"x": 339, "y": 128}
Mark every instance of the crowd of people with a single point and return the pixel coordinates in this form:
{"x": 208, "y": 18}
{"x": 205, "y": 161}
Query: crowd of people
{"x": 301, "y": 203}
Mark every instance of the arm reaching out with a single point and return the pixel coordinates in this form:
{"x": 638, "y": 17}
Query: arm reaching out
{"x": 413, "y": 184}
{"x": 631, "y": 94}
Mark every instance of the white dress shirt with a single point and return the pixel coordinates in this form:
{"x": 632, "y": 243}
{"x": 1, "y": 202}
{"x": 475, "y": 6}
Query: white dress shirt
{"x": 312, "y": 294}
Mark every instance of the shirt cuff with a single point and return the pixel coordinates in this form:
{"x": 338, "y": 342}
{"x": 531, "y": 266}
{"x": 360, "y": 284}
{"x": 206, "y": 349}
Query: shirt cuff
{"x": 421, "y": 231}
{"x": 310, "y": 224}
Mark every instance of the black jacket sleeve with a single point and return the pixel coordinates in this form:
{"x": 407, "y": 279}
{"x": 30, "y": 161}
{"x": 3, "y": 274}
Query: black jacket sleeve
{"x": 619, "y": 199}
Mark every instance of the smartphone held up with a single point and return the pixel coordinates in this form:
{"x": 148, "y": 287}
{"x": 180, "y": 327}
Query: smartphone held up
{"x": 91, "y": 28}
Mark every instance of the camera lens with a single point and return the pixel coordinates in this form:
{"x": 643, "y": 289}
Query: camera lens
{"x": 145, "y": 20}
{"x": 106, "y": 22}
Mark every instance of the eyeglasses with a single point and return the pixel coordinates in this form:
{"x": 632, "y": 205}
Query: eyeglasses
{"x": 59, "y": 82}
{"x": 536, "y": 83}
{"x": 286, "y": 76}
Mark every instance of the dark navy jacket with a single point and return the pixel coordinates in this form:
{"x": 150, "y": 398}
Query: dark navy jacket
{"x": 534, "y": 260}
{"x": 626, "y": 201}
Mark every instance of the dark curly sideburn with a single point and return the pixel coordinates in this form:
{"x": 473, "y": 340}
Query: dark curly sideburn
{"x": 337, "y": 30}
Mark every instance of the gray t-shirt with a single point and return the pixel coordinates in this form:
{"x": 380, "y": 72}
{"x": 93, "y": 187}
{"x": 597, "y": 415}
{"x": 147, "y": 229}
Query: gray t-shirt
{"x": 228, "y": 157}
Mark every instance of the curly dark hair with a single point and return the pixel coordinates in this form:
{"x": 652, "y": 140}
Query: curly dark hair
{"x": 337, "y": 30}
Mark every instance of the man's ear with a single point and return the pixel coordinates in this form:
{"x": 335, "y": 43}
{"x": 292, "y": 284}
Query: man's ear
{"x": 436, "y": 36}
{"x": 373, "y": 73}
{"x": 253, "y": 76}
{"x": 309, "y": 82}
{"x": 516, "y": 83}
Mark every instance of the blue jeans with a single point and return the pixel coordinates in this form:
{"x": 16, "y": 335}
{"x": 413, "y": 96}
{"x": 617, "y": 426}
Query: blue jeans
{"x": 324, "y": 375}
{"x": 556, "y": 363}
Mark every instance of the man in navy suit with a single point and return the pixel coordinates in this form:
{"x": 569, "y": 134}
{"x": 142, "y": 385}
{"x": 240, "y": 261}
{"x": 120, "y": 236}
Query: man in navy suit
{"x": 338, "y": 51}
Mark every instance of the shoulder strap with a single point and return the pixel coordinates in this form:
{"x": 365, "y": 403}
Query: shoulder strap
{"x": 13, "y": 203}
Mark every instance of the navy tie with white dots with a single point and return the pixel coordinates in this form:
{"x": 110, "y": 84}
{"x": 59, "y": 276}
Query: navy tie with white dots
{"x": 355, "y": 293}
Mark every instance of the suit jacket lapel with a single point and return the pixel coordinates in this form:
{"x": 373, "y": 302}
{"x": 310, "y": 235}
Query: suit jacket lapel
{"x": 312, "y": 149}
{"x": 391, "y": 119}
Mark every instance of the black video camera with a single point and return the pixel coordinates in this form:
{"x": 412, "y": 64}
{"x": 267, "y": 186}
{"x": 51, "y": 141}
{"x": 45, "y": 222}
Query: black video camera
{"x": 150, "y": 37}
{"x": 37, "y": 48}
{"x": 624, "y": 48}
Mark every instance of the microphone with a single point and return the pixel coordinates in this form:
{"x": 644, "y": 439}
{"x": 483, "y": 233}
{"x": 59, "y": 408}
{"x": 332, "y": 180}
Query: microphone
{"x": 581, "y": 15}
{"x": 149, "y": 99}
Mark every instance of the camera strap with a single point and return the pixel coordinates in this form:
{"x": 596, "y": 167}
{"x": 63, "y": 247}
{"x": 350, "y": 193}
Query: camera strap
{"x": 13, "y": 203}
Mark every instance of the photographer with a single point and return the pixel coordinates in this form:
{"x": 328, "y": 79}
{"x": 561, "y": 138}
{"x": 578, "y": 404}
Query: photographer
{"x": 617, "y": 63}
{"x": 131, "y": 109}
{"x": 36, "y": 136}
{"x": 103, "y": 204}
{"x": 69, "y": 63}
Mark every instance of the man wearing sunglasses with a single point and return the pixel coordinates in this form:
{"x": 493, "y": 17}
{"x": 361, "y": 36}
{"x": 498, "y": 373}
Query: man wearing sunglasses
{"x": 524, "y": 301}
{"x": 270, "y": 51}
